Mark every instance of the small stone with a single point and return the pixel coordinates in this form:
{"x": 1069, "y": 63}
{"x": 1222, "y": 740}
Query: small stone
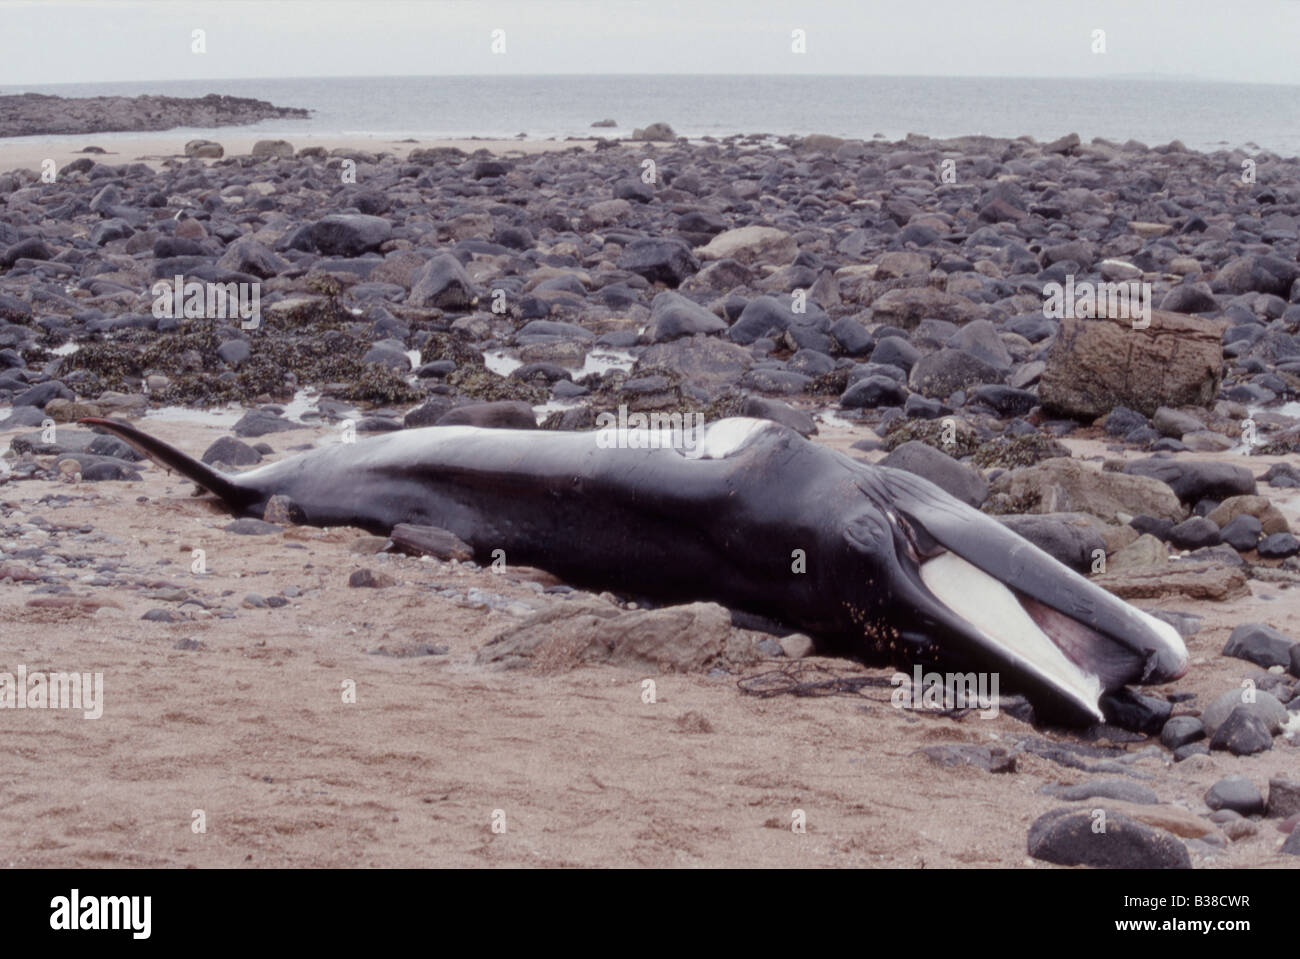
{"x": 797, "y": 646}
{"x": 252, "y": 527}
{"x": 1181, "y": 730}
{"x": 1239, "y": 829}
{"x": 1278, "y": 546}
{"x": 1242, "y": 533}
{"x": 1236, "y": 793}
{"x": 1292, "y": 845}
{"x": 1188, "y": 750}
{"x": 1269, "y": 708}
{"x": 1283, "y": 798}
{"x": 370, "y": 579}
{"x": 1243, "y": 733}
{"x": 283, "y": 511}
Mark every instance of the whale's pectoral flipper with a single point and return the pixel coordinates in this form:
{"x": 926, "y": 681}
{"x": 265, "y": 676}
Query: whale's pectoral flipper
{"x": 237, "y": 498}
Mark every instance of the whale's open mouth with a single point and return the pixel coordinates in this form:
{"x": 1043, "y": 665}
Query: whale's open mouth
{"x": 1078, "y": 661}
{"x": 991, "y": 597}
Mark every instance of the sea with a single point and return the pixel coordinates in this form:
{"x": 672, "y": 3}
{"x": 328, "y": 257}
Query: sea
{"x": 1203, "y": 115}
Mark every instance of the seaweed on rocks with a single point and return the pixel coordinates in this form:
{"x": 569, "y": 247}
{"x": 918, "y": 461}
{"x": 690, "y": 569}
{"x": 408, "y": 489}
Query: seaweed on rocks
{"x": 480, "y": 383}
{"x": 1009, "y": 452}
{"x": 277, "y": 366}
{"x": 832, "y": 383}
{"x": 949, "y": 435}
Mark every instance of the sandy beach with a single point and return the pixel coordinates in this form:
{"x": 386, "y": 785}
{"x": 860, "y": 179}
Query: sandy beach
{"x": 250, "y": 727}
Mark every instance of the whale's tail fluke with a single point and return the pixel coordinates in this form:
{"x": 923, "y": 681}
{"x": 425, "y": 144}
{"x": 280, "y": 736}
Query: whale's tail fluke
{"x": 236, "y": 497}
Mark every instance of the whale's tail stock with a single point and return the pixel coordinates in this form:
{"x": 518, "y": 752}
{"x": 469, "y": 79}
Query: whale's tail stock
{"x": 235, "y": 496}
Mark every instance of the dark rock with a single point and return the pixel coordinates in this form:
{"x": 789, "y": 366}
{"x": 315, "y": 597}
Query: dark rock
{"x": 895, "y": 351}
{"x": 673, "y": 316}
{"x": 767, "y": 409}
{"x": 234, "y": 352}
{"x": 1181, "y": 730}
{"x": 261, "y": 422}
{"x": 1121, "y": 421}
{"x": 42, "y": 393}
{"x": 1278, "y": 546}
{"x": 1260, "y": 644}
{"x": 873, "y": 391}
{"x": 1073, "y": 543}
{"x": 1129, "y": 709}
{"x": 1242, "y": 532}
{"x": 1072, "y": 837}
{"x": 442, "y": 283}
{"x": 1195, "y": 480}
{"x": 1194, "y": 533}
{"x": 349, "y": 234}
{"x": 1243, "y": 733}
{"x": 852, "y": 336}
{"x": 664, "y": 260}
{"x": 1187, "y": 750}
{"x": 1007, "y": 400}
{"x": 944, "y": 372}
{"x": 428, "y": 413}
{"x": 502, "y": 414}
{"x": 1283, "y": 798}
{"x": 231, "y": 452}
{"x": 1236, "y": 793}
{"x": 963, "y": 482}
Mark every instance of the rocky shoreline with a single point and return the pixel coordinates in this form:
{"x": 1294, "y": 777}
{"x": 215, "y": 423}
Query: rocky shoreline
{"x": 895, "y": 296}
{"x": 39, "y": 114}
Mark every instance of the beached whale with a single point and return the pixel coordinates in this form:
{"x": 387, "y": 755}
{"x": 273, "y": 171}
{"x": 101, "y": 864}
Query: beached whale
{"x": 746, "y": 513}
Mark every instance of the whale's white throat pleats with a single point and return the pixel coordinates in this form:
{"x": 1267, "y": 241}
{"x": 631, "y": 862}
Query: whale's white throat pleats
{"x": 990, "y": 607}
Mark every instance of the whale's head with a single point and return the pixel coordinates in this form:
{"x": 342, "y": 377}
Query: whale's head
{"x": 965, "y": 589}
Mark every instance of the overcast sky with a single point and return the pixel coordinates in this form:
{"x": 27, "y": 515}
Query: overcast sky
{"x": 82, "y": 41}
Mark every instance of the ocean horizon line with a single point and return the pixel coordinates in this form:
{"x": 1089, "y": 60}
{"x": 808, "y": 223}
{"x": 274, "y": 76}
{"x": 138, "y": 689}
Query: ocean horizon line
{"x": 1073, "y": 78}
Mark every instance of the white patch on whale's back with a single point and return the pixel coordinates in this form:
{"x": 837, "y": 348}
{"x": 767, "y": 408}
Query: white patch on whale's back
{"x": 725, "y": 437}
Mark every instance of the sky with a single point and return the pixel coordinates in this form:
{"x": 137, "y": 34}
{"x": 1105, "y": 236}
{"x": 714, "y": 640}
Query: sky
{"x": 84, "y": 41}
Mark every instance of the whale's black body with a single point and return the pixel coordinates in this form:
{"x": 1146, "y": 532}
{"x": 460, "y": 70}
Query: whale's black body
{"x": 754, "y": 517}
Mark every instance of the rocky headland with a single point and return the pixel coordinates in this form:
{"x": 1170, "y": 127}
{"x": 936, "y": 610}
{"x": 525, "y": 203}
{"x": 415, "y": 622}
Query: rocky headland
{"x": 40, "y": 114}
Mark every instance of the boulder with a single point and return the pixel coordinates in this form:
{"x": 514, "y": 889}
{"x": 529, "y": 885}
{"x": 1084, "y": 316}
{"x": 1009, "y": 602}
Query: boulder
{"x": 751, "y": 244}
{"x": 1062, "y": 485}
{"x": 1098, "y": 364}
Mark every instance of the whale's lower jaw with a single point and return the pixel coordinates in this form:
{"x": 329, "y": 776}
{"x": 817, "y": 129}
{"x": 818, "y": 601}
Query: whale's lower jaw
{"x": 1005, "y": 624}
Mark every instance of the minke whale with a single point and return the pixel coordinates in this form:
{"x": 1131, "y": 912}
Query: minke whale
{"x": 746, "y": 513}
